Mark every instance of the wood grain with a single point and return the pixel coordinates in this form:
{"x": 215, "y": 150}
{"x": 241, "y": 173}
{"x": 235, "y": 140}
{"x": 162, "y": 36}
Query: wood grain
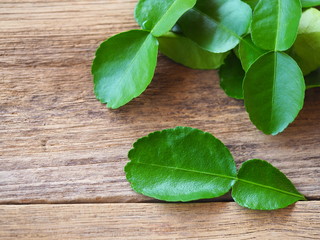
{"x": 59, "y": 144}
{"x": 158, "y": 221}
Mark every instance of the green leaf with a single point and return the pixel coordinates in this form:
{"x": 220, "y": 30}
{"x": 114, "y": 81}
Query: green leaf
{"x": 251, "y": 3}
{"x": 306, "y": 49}
{"x": 249, "y": 52}
{"x": 274, "y": 92}
{"x": 180, "y": 164}
{"x": 216, "y": 25}
{"x": 275, "y": 24}
{"x": 261, "y": 186}
{"x": 184, "y": 51}
{"x": 160, "y": 16}
{"x": 231, "y": 77}
{"x": 310, "y": 3}
{"x": 313, "y": 79}
{"x": 124, "y": 66}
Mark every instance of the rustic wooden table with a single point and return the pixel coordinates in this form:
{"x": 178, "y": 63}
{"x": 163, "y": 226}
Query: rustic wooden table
{"x": 62, "y": 153}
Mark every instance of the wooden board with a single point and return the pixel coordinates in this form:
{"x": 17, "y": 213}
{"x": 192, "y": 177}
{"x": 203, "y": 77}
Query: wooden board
{"x": 59, "y": 144}
{"x": 158, "y": 221}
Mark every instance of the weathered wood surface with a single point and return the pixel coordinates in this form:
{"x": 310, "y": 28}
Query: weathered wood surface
{"x": 59, "y": 144}
{"x": 158, "y": 221}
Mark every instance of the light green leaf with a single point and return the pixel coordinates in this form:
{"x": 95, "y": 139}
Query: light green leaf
{"x": 310, "y": 3}
{"x": 261, "y": 186}
{"x": 124, "y": 67}
{"x": 306, "y": 49}
{"x": 274, "y": 92}
{"x": 160, "y": 16}
{"x": 184, "y": 51}
{"x": 275, "y": 24}
{"x": 180, "y": 164}
{"x": 231, "y": 77}
{"x": 216, "y": 25}
{"x": 249, "y": 52}
{"x": 313, "y": 79}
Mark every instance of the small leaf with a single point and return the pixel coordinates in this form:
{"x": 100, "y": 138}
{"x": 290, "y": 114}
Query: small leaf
{"x": 231, "y": 77}
{"x": 310, "y": 3}
{"x": 306, "y": 49}
{"x": 216, "y": 25}
{"x": 160, "y": 16}
{"x": 313, "y": 79}
{"x": 124, "y": 67}
{"x": 180, "y": 164}
{"x": 261, "y": 186}
{"x": 275, "y": 24}
{"x": 274, "y": 92}
{"x": 184, "y": 51}
{"x": 249, "y": 52}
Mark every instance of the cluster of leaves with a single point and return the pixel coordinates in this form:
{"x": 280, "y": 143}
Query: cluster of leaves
{"x": 264, "y": 47}
{"x": 185, "y": 164}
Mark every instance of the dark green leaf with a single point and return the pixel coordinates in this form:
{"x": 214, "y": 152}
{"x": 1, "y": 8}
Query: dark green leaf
{"x": 306, "y": 49}
{"x": 313, "y": 79}
{"x": 274, "y": 92}
{"x": 124, "y": 67}
{"x": 310, "y": 3}
{"x": 216, "y": 25}
{"x": 275, "y": 24}
{"x": 261, "y": 186}
{"x": 160, "y": 16}
{"x": 231, "y": 77}
{"x": 180, "y": 164}
{"x": 184, "y": 51}
{"x": 249, "y": 52}
{"x": 252, "y": 3}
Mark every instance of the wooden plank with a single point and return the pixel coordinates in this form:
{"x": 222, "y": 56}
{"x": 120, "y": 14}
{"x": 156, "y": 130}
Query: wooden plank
{"x": 59, "y": 144}
{"x": 158, "y": 221}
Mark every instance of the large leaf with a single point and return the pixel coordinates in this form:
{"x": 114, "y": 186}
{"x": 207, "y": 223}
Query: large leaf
{"x": 124, "y": 67}
{"x": 306, "y": 49}
{"x": 249, "y": 52}
{"x": 184, "y": 51}
{"x": 313, "y": 79}
{"x": 160, "y": 16}
{"x": 310, "y": 3}
{"x": 216, "y": 25}
{"x": 263, "y": 187}
{"x": 274, "y": 92}
{"x": 180, "y": 164}
{"x": 275, "y": 24}
{"x": 231, "y": 77}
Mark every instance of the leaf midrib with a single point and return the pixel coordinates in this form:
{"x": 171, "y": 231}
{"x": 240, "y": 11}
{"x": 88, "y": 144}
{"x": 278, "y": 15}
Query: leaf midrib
{"x": 222, "y": 176}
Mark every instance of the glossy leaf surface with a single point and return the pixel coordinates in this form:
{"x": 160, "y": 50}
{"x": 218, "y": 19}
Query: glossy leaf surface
{"x": 248, "y": 52}
{"x": 231, "y": 77}
{"x": 216, "y": 25}
{"x": 306, "y": 49}
{"x": 160, "y": 16}
{"x": 274, "y": 92}
{"x": 124, "y": 67}
{"x": 180, "y": 164}
{"x": 310, "y": 3}
{"x": 184, "y": 51}
{"x": 275, "y": 24}
{"x": 313, "y": 79}
{"x": 261, "y": 186}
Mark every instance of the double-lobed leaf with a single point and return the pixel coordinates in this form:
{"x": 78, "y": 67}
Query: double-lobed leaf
{"x": 184, "y": 51}
{"x": 275, "y": 24}
{"x": 181, "y": 164}
{"x": 216, "y": 25}
{"x": 124, "y": 66}
{"x": 160, "y": 16}
{"x": 274, "y": 91}
{"x": 263, "y": 187}
{"x": 185, "y": 164}
{"x": 306, "y": 49}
